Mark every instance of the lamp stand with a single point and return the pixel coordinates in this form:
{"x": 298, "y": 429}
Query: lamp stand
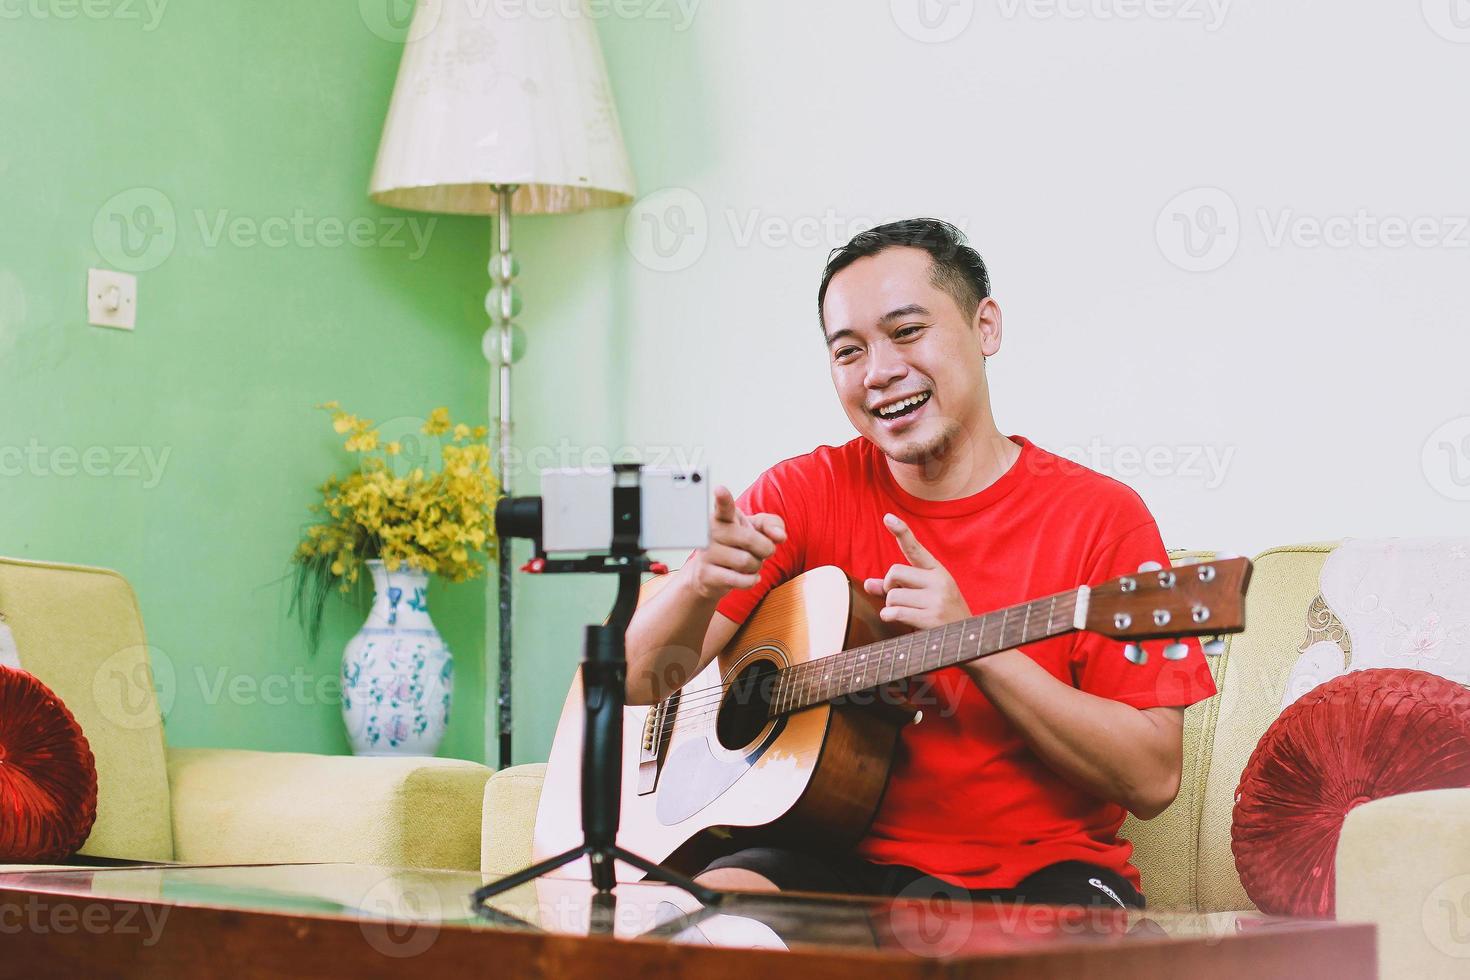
{"x": 497, "y": 349}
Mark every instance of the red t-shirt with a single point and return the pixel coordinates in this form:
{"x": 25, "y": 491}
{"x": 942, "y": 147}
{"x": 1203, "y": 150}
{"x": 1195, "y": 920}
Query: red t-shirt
{"x": 968, "y": 801}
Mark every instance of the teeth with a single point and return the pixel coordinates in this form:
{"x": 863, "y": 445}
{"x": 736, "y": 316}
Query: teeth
{"x": 900, "y": 406}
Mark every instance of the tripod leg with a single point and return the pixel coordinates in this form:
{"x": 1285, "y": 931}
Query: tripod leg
{"x": 534, "y": 871}
{"x": 604, "y": 679}
{"x": 705, "y": 896}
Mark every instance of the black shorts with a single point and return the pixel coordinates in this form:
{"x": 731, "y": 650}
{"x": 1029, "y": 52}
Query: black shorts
{"x": 1065, "y": 883}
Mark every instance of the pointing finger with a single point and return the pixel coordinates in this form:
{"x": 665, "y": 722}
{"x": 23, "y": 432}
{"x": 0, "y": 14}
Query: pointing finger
{"x": 725, "y": 509}
{"x": 916, "y": 553}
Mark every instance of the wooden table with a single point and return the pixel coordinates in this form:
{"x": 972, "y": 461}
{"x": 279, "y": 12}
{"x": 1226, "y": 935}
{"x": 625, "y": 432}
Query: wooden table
{"x": 360, "y": 921}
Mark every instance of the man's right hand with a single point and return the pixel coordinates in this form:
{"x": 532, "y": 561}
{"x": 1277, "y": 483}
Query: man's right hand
{"x": 737, "y": 546}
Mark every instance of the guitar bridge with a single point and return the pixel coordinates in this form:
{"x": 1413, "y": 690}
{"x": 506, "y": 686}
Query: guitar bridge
{"x": 657, "y": 729}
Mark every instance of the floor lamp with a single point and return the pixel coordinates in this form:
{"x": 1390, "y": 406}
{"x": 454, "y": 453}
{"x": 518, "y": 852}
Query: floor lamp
{"x": 500, "y": 110}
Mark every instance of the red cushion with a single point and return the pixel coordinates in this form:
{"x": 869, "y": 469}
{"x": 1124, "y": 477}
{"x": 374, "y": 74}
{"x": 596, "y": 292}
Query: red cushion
{"x": 48, "y": 778}
{"x": 1359, "y": 737}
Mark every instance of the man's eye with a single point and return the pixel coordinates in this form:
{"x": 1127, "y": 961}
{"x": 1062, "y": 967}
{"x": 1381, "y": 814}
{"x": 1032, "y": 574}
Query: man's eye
{"x": 843, "y": 352}
{"x": 907, "y": 331}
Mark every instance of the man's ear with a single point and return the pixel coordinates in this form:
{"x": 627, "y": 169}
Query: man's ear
{"x": 987, "y": 321}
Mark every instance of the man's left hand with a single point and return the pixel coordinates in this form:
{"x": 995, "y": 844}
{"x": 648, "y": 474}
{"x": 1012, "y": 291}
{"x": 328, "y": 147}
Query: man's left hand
{"x": 921, "y": 594}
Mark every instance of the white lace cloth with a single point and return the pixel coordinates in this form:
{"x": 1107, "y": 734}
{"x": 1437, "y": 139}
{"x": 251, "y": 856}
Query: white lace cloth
{"x": 9, "y": 655}
{"x": 1405, "y": 603}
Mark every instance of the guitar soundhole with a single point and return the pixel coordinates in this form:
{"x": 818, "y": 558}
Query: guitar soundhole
{"x": 745, "y": 709}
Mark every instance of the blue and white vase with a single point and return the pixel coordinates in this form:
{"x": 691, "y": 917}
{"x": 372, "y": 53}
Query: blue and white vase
{"x": 397, "y": 674}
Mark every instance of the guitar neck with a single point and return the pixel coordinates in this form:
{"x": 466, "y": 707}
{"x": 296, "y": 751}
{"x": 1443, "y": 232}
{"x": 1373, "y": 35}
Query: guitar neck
{"x": 902, "y": 657}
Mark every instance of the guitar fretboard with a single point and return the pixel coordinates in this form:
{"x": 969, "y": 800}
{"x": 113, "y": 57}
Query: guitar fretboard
{"x": 861, "y": 668}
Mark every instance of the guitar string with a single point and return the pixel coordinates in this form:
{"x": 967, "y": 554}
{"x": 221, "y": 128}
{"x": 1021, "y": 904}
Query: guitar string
{"x": 704, "y": 696}
{"x": 706, "y": 702}
{"x": 708, "y": 712}
{"x": 703, "y": 713}
{"x": 717, "y": 692}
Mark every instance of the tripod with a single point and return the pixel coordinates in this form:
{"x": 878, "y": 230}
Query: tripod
{"x": 604, "y": 676}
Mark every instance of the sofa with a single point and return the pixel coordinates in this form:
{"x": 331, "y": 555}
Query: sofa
{"x": 79, "y": 630}
{"x": 1403, "y": 863}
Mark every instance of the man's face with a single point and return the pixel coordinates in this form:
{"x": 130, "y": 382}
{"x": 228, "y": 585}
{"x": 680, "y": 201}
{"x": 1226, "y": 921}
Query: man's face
{"x": 906, "y": 361}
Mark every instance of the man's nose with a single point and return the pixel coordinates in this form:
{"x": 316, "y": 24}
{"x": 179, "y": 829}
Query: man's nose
{"x": 884, "y": 367}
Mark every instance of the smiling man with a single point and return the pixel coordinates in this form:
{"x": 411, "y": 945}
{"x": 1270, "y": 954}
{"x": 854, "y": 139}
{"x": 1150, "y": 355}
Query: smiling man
{"x": 1016, "y": 781}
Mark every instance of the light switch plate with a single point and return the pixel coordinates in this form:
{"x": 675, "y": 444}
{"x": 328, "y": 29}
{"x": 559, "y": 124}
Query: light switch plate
{"x": 112, "y": 299}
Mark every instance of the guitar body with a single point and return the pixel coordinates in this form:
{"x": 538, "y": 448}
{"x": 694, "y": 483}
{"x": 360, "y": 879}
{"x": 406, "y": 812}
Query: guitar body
{"x": 723, "y": 776}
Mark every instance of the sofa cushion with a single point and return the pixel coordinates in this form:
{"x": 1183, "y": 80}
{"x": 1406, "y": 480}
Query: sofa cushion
{"x": 511, "y": 798}
{"x": 1364, "y": 736}
{"x": 48, "y": 779}
{"x": 236, "y": 806}
{"x": 1403, "y": 864}
{"x": 80, "y": 632}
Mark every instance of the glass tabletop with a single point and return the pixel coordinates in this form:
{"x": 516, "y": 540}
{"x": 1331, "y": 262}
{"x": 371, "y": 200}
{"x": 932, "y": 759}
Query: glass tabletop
{"x": 401, "y": 907}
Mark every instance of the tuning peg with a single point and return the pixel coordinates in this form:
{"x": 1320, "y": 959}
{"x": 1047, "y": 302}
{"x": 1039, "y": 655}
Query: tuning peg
{"x": 1176, "y": 651}
{"x": 1135, "y": 654}
{"x": 1150, "y": 566}
{"x": 1214, "y": 646}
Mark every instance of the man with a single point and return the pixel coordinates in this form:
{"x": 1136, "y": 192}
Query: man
{"x": 1017, "y": 779}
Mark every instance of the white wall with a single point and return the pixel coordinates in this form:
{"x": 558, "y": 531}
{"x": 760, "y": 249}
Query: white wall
{"x": 1316, "y": 373}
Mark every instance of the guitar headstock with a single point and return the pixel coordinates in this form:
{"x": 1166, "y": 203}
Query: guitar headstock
{"x": 1205, "y": 599}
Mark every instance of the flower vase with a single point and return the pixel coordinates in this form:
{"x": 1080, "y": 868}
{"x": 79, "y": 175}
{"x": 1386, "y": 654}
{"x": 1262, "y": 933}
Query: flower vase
{"x": 397, "y": 674}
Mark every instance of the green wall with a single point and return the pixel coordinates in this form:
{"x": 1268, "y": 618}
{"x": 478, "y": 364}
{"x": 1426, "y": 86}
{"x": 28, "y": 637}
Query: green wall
{"x": 237, "y": 113}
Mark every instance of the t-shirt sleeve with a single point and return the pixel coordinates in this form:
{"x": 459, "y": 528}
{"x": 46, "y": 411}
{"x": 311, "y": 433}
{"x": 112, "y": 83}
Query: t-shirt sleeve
{"x": 782, "y": 492}
{"x": 1098, "y": 664}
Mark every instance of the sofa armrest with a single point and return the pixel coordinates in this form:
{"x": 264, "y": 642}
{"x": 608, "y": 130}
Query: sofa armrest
{"x": 511, "y": 798}
{"x": 232, "y": 806}
{"x": 1403, "y": 863}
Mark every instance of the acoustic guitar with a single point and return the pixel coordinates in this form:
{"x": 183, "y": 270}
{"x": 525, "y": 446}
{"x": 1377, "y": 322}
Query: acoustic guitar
{"x": 786, "y": 737}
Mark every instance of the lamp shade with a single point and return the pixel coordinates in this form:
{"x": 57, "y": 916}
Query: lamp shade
{"x": 498, "y": 93}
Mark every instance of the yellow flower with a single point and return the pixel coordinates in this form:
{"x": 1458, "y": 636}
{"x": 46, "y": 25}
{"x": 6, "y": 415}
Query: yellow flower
{"x": 362, "y": 441}
{"x": 440, "y": 522}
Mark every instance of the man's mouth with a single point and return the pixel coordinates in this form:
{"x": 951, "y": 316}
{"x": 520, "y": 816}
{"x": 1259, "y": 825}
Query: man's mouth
{"x": 902, "y": 407}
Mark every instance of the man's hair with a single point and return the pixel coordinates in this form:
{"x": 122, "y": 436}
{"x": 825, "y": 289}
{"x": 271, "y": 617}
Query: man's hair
{"x": 957, "y": 268}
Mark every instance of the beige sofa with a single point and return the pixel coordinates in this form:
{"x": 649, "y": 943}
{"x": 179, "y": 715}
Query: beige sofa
{"x": 80, "y": 631}
{"x": 1403, "y": 863}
